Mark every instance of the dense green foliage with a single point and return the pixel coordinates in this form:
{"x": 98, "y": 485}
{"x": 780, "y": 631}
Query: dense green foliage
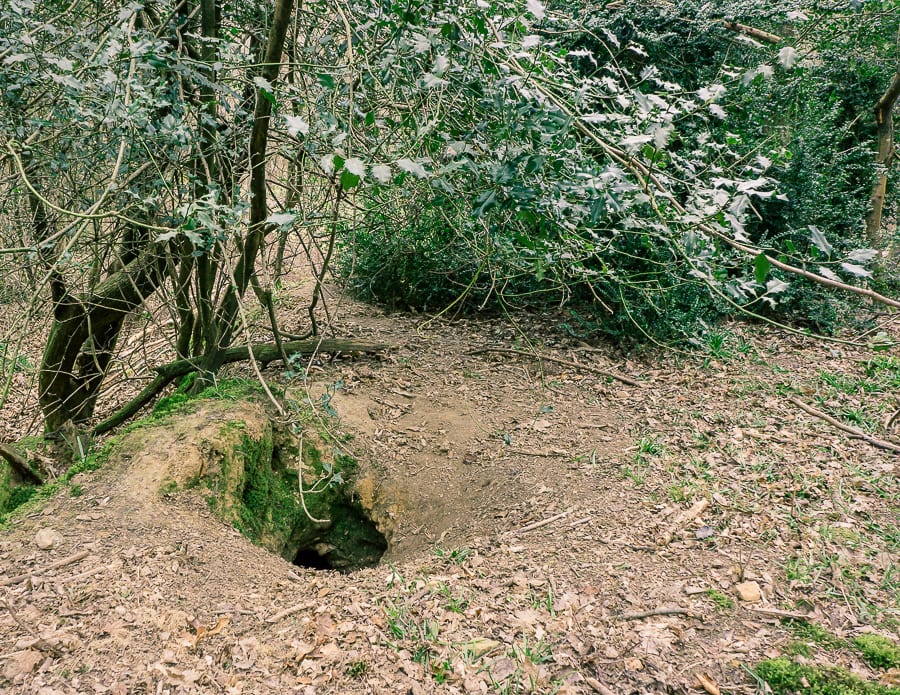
{"x": 798, "y": 130}
{"x": 650, "y": 164}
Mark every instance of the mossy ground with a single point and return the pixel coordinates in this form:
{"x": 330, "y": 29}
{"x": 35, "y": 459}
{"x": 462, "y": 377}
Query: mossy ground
{"x": 878, "y": 651}
{"x": 24, "y": 499}
{"x": 785, "y": 677}
{"x": 5, "y": 485}
{"x": 272, "y": 508}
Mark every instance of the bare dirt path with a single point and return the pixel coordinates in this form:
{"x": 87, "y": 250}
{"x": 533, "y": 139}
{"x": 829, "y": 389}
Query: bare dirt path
{"x": 555, "y": 531}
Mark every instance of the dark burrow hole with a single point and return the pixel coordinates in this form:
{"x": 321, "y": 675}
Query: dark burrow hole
{"x": 350, "y": 541}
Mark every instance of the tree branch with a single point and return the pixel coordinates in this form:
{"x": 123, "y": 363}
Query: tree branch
{"x": 263, "y": 352}
{"x": 753, "y": 32}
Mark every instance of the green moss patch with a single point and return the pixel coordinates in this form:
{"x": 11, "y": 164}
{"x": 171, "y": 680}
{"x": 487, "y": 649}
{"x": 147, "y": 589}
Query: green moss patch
{"x": 878, "y": 651}
{"x": 5, "y": 485}
{"x": 812, "y": 633}
{"x": 256, "y": 486}
{"x": 180, "y": 399}
{"x": 785, "y": 677}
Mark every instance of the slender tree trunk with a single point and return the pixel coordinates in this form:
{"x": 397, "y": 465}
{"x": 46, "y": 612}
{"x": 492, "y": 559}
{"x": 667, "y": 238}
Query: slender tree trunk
{"x": 223, "y": 331}
{"x": 885, "y": 157}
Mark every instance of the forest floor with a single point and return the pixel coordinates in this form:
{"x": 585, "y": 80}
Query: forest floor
{"x": 554, "y": 530}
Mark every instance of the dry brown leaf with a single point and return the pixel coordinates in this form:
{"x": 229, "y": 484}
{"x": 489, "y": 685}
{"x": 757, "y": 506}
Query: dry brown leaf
{"x": 632, "y": 663}
{"x": 480, "y": 646}
{"x": 220, "y": 625}
{"x": 707, "y": 683}
{"x": 503, "y": 668}
{"x": 22, "y": 663}
{"x": 890, "y": 677}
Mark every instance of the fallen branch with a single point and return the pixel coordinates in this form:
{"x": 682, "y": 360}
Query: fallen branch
{"x": 780, "y": 614}
{"x": 880, "y": 443}
{"x": 264, "y": 352}
{"x": 566, "y": 363}
{"x": 684, "y": 518}
{"x": 20, "y": 465}
{"x": 55, "y": 565}
{"x": 753, "y": 32}
{"x": 654, "y": 612}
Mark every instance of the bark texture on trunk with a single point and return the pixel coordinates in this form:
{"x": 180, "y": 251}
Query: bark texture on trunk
{"x": 884, "y": 119}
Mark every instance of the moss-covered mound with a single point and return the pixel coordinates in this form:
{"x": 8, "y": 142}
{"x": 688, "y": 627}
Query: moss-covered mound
{"x": 5, "y": 485}
{"x": 250, "y": 472}
{"x": 785, "y": 677}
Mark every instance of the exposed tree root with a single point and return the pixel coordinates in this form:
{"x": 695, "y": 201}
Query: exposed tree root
{"x": 264, "y": 352}
{"x": 20, "y": 465}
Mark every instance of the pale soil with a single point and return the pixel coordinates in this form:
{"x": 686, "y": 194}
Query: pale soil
{"x": 474, "y": 595}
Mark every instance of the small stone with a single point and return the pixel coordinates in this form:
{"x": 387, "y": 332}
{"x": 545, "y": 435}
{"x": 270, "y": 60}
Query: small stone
{"x": 47, "y": 539}
{"x": 749, "y": 592}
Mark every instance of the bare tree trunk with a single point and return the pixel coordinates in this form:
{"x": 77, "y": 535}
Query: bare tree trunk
{"x": 83, "y": 337}
{"x": 886, "y": 154}
{"x": 222, "y": 331}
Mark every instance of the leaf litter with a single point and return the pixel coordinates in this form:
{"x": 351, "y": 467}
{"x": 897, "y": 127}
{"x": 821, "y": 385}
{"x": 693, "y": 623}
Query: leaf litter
{"x": 556, "y": 531}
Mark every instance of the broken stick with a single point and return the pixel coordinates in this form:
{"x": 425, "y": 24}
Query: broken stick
{"x": 55, "y": 565}
{"x": 683, "y": 519}
{"x": 874, "y": 441}
{"x": 565, "y": 363}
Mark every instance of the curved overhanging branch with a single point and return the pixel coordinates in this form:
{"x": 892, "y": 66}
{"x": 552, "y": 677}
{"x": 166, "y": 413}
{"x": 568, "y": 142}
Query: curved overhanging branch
{"x": 264, "y": 352}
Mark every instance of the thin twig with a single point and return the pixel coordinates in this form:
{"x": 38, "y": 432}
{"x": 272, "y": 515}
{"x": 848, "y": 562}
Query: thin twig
{"x": 288, "y": 611}
{"x": 55, "y": 565}
{"x": 780, "y": 614}
{"x": 654, "y": 612}
{"x": 880, "y": 443}
{"x": 567, "y": 363}
{"x": 543, "y": 522}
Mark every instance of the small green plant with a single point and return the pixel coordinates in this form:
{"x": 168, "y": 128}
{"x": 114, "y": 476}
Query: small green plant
{"x": 358, "y": 668}
{"x": 76, "y": 491}
{"x": 681, "y": 492}
{"x": 840, "y": 382}
{"x": 648, "y": 446}
{"x": 441, "y": 671}
{"x": 878, "y": 651}
{"x": 454, "y": 604}
{"x": 543, "y": 601}
{"x": 860, "y": 418}
{"x": 170, "y": 487}
{"x": 885, "y": 371}
{"x": 455, "y": 555}
{"x": 536, "y": 652}
{"x": 720, "y": 600}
